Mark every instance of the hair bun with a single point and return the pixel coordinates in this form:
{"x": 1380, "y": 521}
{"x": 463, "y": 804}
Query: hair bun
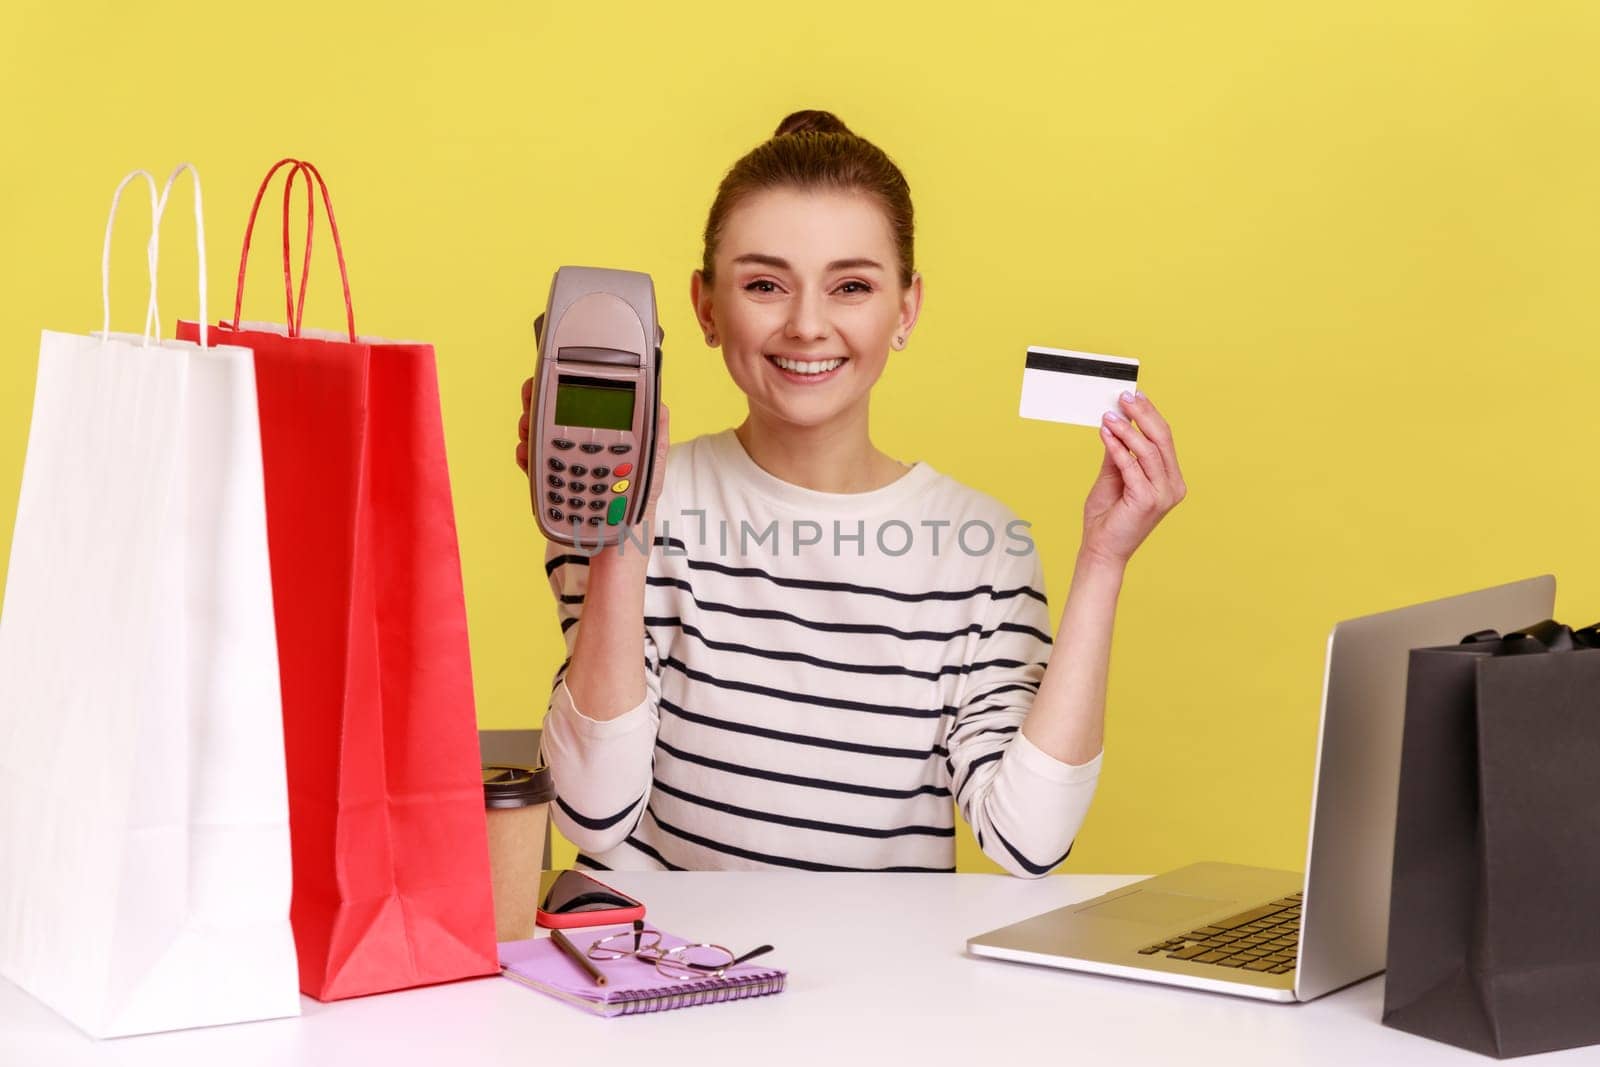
{"x": 811, "y": 122}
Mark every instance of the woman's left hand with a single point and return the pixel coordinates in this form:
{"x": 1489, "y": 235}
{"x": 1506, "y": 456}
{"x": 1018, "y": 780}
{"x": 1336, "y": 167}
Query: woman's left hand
{"x": 1139, "y": 481}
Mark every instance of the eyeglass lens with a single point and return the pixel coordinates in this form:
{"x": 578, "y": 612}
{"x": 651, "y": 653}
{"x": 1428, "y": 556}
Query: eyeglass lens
{"x": 684, "y": 961}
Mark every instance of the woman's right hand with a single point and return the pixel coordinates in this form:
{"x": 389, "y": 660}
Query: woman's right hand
{"x": 522, "y": 426}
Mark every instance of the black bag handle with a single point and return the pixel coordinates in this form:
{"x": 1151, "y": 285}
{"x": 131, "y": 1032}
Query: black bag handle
{"x": 1545, "y": 636}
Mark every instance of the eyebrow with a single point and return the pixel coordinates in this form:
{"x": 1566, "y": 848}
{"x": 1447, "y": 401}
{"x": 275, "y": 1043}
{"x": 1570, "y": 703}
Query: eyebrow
{"x": 783, "y": 264}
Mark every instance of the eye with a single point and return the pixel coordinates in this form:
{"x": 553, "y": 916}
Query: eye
{"x": 861, "y": 287}
{"x": 754, "y": 287}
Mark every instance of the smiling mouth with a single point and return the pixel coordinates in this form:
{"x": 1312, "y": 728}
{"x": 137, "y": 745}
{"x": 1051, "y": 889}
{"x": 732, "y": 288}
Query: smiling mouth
{"x": 806, "y": 366}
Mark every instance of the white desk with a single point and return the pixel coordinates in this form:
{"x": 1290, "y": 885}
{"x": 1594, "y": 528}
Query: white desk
{"x": 877, "y": 974}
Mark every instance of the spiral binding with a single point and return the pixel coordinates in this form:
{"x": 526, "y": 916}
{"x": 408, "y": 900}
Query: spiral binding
{"x": 704, "y": 991}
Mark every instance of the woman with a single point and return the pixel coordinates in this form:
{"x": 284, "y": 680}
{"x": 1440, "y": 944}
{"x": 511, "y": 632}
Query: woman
{"x": 827, "y": 646}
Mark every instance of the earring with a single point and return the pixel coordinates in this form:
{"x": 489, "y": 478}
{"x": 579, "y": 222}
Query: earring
{"x": 899, "y": 343}
{"x": 711, "y": 338}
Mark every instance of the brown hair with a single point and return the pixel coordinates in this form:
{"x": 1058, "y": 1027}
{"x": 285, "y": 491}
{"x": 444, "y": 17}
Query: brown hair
{"x": 814, "y": 150}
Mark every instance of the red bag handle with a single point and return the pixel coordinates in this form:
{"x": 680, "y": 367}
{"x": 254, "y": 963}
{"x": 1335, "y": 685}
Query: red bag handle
{"x": 305, "y": 166}
{"x": 249, "y": 229}
{"x": 292, "y": 318}
{"x": 295, "y": 312}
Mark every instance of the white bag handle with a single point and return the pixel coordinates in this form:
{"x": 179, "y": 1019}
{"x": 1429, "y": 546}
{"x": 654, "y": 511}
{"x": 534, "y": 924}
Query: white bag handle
{"x": 150, "y": 314}
{"x": 199, "y": 241}
{"x": 158, "y": 207}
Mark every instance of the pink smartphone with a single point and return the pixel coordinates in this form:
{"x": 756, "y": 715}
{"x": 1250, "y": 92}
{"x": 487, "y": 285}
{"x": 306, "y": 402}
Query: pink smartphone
{"x": 570, "y": 898}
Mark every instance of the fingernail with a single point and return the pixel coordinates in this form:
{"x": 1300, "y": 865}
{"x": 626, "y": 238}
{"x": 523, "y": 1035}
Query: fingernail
{"x": 1130, "y": 397}
{"x": 1113, "y": 416}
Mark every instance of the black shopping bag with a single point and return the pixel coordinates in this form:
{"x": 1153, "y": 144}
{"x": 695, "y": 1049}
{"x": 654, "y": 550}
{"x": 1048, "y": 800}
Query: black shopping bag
{"x": 1494, "y": 941}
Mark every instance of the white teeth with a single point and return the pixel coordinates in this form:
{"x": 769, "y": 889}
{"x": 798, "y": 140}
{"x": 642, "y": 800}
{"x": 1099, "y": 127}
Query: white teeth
{"x": 817, "y": 366}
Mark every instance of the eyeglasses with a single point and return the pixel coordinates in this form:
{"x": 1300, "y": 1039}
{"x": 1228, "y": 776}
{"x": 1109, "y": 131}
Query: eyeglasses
{"x": 700, "y": 960}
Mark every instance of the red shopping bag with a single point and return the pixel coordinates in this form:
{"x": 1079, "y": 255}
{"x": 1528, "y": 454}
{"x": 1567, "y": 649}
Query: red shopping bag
{"x": 386, "y": 819}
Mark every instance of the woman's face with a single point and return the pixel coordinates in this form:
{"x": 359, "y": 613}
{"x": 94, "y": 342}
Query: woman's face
{"x": 807, "y": 302}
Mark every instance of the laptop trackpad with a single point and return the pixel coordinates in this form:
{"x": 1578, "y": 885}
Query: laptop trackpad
{"x": 1154, "y": 906}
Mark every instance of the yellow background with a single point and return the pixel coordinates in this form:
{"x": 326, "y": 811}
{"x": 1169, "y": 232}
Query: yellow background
{"x": 1353, "y": 243}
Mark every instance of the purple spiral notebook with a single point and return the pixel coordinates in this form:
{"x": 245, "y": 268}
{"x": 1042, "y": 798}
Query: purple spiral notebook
{"x": 634, "y": 986}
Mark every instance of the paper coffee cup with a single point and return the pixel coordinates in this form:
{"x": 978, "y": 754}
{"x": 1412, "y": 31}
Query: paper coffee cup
{"x": 517, "y": 804}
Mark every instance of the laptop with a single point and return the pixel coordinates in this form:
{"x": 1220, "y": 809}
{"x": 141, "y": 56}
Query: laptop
{"x": 1281, "y": 935}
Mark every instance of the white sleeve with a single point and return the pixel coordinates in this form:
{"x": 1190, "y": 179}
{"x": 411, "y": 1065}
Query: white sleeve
{"x": 1024, "y": 806}
{"x": 601, "y": 770}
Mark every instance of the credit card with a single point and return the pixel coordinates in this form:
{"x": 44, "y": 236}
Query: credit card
{"x": 1059, "y": 385}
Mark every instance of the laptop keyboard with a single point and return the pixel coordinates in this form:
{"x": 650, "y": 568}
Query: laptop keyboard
{"x": 1261, "y": 939}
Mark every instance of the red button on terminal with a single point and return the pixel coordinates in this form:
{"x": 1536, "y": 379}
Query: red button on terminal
{"x": 621, "y": 470}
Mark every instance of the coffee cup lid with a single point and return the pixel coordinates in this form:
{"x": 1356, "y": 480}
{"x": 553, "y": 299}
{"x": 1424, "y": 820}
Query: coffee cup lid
{"x": 516, "y": 787}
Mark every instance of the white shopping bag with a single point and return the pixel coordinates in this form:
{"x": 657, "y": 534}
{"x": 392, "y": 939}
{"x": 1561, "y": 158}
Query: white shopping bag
{"x": 144, "y": 822}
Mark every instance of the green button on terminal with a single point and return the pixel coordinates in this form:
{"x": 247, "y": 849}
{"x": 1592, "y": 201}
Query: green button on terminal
{"x": 614, "y": 512}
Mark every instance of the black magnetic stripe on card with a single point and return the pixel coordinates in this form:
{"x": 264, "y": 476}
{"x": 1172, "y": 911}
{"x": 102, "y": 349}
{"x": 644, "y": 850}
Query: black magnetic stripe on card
{"x": 1127, "y": 372}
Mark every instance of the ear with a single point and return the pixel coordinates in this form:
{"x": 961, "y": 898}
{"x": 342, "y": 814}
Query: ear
{"x": 700, "y": 299}
{"x": 910, "y": 305}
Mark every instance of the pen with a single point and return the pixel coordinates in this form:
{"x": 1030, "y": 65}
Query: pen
{"x": 579, "y": 958}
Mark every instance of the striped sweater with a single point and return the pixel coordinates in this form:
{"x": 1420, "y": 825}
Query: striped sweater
{"x": 828, "y": 677}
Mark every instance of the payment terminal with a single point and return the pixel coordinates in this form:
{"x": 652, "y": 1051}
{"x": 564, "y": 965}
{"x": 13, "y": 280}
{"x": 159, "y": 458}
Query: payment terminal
{"x": 592, "y": 424}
